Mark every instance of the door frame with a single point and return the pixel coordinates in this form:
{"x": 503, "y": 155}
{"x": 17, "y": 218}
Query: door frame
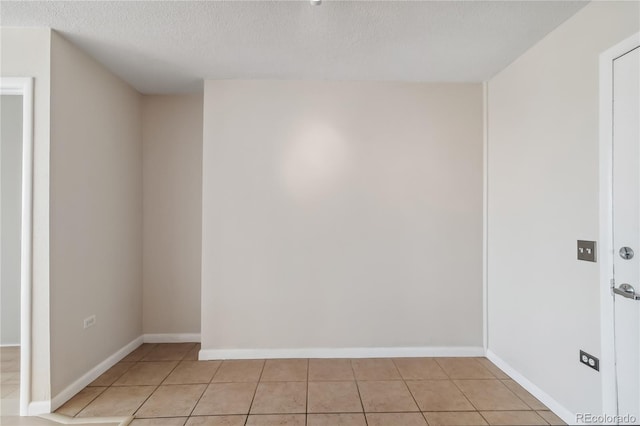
{"x": 24, "y": 86}
{"x": 607, "y": 364}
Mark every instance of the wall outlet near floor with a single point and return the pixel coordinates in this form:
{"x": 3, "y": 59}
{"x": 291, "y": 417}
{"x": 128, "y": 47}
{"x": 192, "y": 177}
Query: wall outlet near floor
{"x": 89, "y": 321}
{"x": 590, "y": 360}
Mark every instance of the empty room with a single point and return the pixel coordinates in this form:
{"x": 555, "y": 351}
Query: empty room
{"x": 319, "y": 213}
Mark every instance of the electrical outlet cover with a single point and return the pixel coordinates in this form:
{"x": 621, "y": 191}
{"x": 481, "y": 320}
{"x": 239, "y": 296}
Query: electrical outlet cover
{"x": 587, "y": 250}
{"x": 589, "y": 360}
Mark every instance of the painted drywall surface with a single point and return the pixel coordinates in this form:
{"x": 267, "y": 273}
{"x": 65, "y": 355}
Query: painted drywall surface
{"x": 543, "y": 196}
{"x": 96, "y": 213}
{"x": 172, "y": 194}
{"x": 341, "y": 215}
{"x": 25, "y": 52}
{"x": 11, "y": 204}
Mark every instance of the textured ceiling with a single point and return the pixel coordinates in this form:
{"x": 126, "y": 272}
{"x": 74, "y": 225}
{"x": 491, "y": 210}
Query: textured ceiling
{"x": 165, "y": 47}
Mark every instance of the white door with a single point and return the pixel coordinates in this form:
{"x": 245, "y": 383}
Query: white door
{"x": 626, "y": 231}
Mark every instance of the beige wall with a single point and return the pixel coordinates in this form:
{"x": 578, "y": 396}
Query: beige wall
{"x": 11, "y": 217}
{"x": 172, "y": 194}
{"x": 543, "y": 196}
{"x": 341, "y": 215}
{"x": 96, "y": 213}
{"x": 25, "y": 52}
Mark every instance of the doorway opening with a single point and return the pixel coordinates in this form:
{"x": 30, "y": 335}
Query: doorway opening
{"x": 16, "y": 171}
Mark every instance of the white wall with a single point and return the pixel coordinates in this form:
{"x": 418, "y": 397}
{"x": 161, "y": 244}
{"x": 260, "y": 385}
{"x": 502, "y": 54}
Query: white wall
{"x": 341, "y": 215}
{"x": 11, "y": 203}
{"x": 25, "y": 52}
{"x": 96, "y": 213}
{"x": 543, "y": 196}
{"x": 172, "y": 194}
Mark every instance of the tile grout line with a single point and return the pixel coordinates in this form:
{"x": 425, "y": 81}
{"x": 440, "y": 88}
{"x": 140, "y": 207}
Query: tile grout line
{"x": 215, "y": 372}
{"x": 460, "y": 390}
{"x": 105, "y": 388}
{"x": 411, "y": 393}
{"x": 158, "y": 386}
{"x": 451, "y": 379}
{"x": 495, "y": 378}
{"x": 144, "y": 355}
{"x": 463, "y": 394}
{"x": 355, "y": 379}
{"x": 206, "y": 387}
{"x": 87, "y": 404}
{"x": 255, "y": 391}
{"x": 523, "y": 411}
{"x": 442, "y": 368}
{"x": 306, "y": 409}
{"x": 118, "y": 378}
{"x": 521, "y": 399}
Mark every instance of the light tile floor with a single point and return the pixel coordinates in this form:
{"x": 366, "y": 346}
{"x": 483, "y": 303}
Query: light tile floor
{"x": 9, "y": 380}
{"x": 165, "y": 385}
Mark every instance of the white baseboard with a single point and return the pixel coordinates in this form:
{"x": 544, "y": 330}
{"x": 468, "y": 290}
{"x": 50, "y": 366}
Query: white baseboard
{"x": 37, "y": 408}
{"x": 44, "y": 407}
{"x": 64, "y": 420}
{"x": 171, "y": 338}
{"x": 566, "y": 415}
{"x": 462, "y": 351}
{"x": 90, "y": 376}
{"x": 9, "y": 345}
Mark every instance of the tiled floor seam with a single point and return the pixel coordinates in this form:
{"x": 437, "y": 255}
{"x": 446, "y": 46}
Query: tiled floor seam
{"x": 525, "y": 402}
{"x": 87, "y": 404}
{"x": 511, "y": 411}
{"x": 157, "y": 387}
{"x": 306, "y": 417}
{"x": 409, "y": 389}
{"x": 255, "y": 391}
{"x": 203, "y": 392}
{"x": 500, "y": 381}
{"x": 464, "y": 395}
{"x": 115, "y": 380}
{"x": 199, "y": 398}
{"x": 483, "y": 417}
{"x": 414, "y": 400}
{"x": 442, "y": 368}
{"x": 353, "y": 371}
